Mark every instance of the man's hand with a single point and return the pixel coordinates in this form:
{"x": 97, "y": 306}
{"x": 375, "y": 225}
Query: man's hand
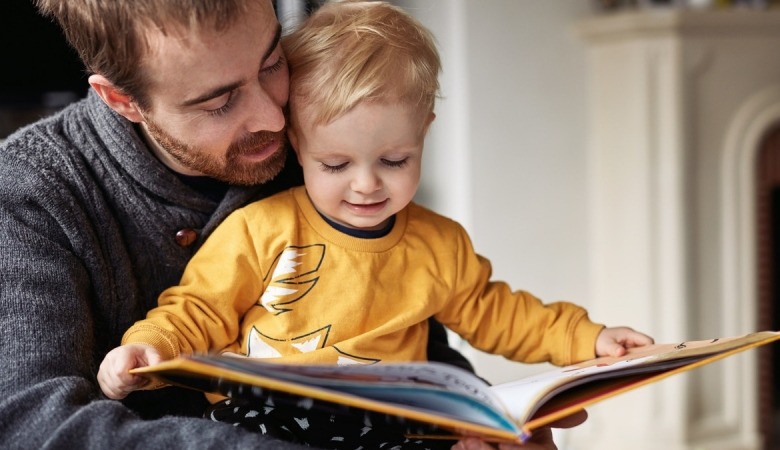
{"x": 542, "y": 438}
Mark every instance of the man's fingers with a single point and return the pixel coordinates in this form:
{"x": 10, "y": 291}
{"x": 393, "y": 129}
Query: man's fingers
{"x": 542, "y": 438}
{"x": 571, "y": 421}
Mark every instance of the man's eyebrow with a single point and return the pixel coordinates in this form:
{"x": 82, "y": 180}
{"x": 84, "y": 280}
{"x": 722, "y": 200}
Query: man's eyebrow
{"x": 214, "y": 93}
{"x": 222, "y": 90}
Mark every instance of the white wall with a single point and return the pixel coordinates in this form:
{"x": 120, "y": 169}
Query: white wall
{"x": 510, "y": 157}
{"x": 507, "y": 153}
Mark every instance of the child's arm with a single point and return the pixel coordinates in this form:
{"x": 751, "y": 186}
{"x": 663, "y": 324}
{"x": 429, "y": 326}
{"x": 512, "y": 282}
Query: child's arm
{"x": 114, "y": 375}
{"x": 616, "y": 341}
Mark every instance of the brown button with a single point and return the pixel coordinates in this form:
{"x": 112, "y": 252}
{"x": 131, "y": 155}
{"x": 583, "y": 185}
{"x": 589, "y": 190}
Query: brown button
{"x": 186, "y": 236}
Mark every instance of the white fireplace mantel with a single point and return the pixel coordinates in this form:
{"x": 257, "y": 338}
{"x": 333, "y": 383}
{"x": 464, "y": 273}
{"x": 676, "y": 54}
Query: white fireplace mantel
{"x": 678, "y": 102}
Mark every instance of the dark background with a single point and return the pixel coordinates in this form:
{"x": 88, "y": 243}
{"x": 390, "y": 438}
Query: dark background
{"x": 40, "y": 73}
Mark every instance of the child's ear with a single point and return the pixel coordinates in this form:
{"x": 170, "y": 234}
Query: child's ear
{"x": 115, "y": 98}
{"x": 428, "y": 121}
{"x": 292, "y": 136}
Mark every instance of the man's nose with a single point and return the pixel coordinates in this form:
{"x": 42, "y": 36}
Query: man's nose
{"x": 265, "y": 113}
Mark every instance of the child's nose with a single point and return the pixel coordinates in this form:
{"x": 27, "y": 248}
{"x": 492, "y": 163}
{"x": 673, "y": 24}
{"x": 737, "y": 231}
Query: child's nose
{"x": 366, "y": 182}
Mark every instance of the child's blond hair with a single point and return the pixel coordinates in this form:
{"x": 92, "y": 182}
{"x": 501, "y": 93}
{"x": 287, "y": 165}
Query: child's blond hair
{"x": 353, "y": 51}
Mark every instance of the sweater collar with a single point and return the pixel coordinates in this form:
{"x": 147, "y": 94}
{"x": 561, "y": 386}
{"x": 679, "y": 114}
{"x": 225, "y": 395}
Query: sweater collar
{"x": 125, "y": 147}
{"x": 122, "y": 146}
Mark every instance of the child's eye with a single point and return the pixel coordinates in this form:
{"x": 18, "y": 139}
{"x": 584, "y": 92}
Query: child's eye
{"x": 334, "y": 168}
{"x": 395, "y": 163}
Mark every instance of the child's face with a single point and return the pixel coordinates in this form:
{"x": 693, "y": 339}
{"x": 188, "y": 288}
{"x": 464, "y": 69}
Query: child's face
{"x": 363, "y": 167}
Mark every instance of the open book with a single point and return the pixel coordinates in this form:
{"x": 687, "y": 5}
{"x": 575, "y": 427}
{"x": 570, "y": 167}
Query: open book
{"x": 430, "y": 400}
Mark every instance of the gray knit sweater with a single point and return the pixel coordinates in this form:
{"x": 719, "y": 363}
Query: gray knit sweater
{"x": 87, "y": 224}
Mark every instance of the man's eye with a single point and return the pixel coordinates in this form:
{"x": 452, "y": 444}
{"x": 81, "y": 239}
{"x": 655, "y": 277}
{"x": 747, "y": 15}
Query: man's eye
{"x": 224, "y": 108}
{"x": 275, "y": 67}
{"x": 333, "y": 168}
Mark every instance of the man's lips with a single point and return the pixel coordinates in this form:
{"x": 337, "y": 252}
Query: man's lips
{"x": 258, "y": 146}
{"x": 262, "y": 152}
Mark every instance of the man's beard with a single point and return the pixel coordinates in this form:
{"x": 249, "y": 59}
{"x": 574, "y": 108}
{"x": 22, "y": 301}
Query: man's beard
{"x": 230, "y": 169}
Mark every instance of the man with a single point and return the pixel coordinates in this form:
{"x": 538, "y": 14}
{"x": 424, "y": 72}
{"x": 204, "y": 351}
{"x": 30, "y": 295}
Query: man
{"x": 103, "y": 204}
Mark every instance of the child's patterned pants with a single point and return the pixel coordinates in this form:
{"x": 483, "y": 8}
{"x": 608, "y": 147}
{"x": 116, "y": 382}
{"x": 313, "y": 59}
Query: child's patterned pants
{"x": 323, "y": 424}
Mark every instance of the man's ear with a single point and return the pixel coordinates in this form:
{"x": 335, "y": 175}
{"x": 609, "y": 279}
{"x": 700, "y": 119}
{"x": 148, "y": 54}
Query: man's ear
{"x": 115, "y": 98}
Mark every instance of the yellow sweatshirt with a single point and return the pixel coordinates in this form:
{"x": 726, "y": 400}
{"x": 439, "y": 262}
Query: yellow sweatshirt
{"x": 277, "y": 281}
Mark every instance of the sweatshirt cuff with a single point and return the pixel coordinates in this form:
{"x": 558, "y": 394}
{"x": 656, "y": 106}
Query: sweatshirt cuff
{"x": 155, "y": 336}
{"x": 584, "y": 345}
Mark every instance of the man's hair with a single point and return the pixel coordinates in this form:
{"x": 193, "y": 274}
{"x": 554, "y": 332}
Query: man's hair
{"x": 347, "y": 52}
{"x": 110, "y": 36}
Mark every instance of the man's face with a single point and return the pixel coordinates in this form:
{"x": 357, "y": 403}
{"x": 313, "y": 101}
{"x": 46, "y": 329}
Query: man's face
{"x": 217, "y": 100}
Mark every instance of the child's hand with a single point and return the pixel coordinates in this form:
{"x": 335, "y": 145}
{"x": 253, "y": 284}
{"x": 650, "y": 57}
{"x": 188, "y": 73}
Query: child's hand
{"x": 616, "y": 341}
{"x": 114, "y": 375}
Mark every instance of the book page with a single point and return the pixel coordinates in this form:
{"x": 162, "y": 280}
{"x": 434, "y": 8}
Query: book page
{"x": 522, "y": 398}
{"x": 422, "y": 392}
{"x": 416, "y": 374}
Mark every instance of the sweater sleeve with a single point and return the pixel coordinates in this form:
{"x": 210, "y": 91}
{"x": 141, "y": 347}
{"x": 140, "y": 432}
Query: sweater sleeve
{"x": 515, "y": 324}
{"x": 203, "y": 312}
{"x": 50, "y": 337}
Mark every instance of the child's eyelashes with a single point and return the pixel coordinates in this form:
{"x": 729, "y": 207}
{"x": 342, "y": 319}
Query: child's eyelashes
{"x": 391, "y": 163}
{"x": 333, "y": 168}
{"x": 395, "y": 162}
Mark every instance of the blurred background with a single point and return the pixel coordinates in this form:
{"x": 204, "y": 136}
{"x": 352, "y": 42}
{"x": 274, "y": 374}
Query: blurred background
{"x": 40, "y": 72}
{"x": 616, "y": 154}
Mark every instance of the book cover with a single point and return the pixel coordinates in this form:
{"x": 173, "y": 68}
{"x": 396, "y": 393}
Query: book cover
{"x": 432, "y": 400}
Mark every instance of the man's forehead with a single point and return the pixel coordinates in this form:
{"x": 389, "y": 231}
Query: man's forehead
{"x": 190, "y": 60}
{"x": 186, "y": 33}
{"x": 213, "y": 15}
